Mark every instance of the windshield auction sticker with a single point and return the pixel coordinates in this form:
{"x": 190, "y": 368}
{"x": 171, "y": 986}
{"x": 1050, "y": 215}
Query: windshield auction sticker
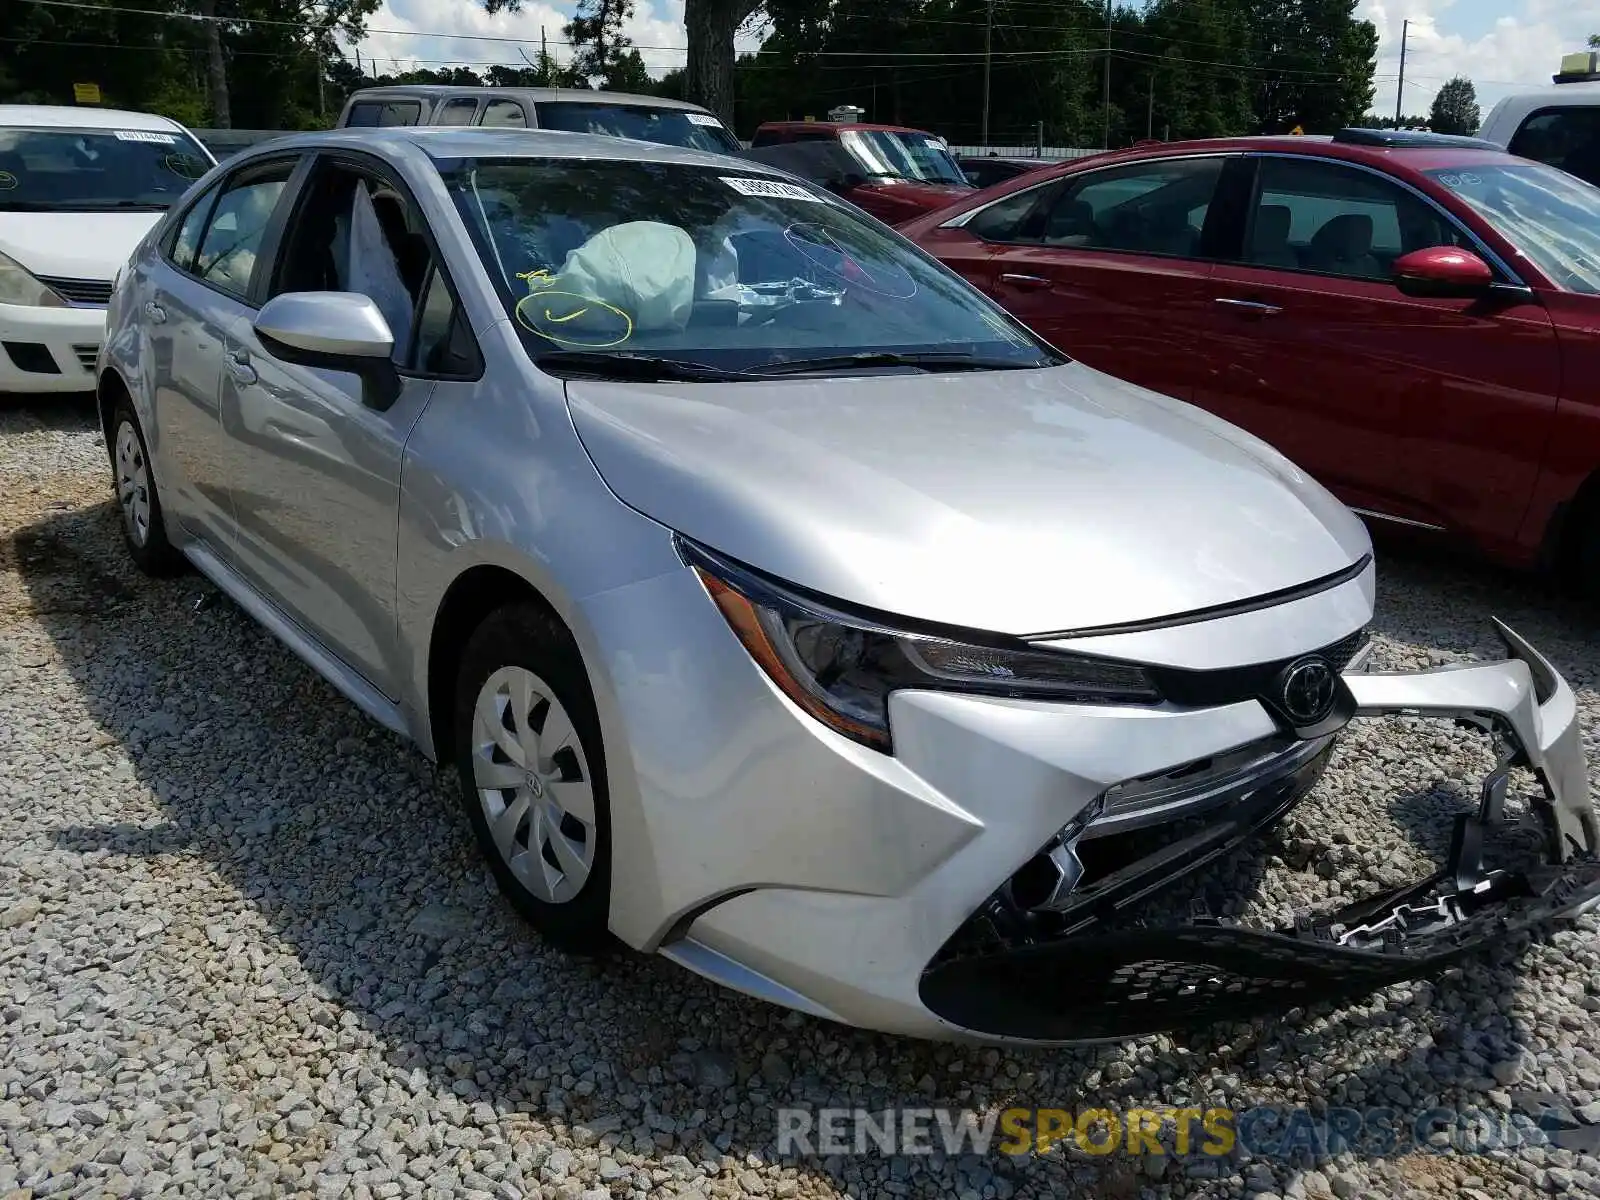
{"x": 146, "y": 135}
{"x": 703, "y": 119}
{"x": 771, "y": 189}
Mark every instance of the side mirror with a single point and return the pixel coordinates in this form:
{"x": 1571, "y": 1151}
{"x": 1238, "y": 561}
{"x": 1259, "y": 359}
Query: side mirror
{"x": 336, "y": 331}
{"x": 1443, "y": 272}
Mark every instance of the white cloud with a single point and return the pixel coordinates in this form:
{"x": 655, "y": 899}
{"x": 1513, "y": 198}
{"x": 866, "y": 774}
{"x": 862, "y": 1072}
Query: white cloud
{"x": 415, "y": 33}
{"x": 1521, "y": 49}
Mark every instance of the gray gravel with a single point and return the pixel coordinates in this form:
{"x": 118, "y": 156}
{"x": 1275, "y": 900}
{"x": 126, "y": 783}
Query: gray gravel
{"x": 247, "y": 949}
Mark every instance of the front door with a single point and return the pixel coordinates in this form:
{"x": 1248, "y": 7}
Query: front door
{"x": 1425, "y": 411}
{"x": 314, "y": 469}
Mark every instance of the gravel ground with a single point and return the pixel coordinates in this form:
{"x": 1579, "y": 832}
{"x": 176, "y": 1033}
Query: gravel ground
{"x": 246, "y": 947}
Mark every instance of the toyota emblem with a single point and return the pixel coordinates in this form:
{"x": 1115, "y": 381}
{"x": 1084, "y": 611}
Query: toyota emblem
{"x": 1308, "y": 691}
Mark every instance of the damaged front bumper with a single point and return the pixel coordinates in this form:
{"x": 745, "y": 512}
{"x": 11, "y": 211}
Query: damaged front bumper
{"x": 1075, "y": 962}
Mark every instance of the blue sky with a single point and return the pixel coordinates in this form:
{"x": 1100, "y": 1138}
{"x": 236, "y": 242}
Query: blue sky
{"x": 1501, "y": 45}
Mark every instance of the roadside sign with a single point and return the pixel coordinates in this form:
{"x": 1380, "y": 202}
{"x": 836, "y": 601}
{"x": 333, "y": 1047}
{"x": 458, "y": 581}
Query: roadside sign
{"x": 86, "y": 93}
{"x": 1297, "y": 131}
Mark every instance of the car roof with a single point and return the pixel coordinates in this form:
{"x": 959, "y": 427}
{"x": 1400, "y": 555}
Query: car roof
{"x": 537, "y": 94}
{"x": 461, "y": 141}
{"x": 842, "y": 126}
{"x": 1420, "y": 157}
{"x": 67, "y": 116}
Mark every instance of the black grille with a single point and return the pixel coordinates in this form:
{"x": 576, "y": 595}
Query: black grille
{"x": 79, "y": 291}
{"x": 87, "y": 355}
{"x": 1233, "y": 684}
{"x": 32, "y": 357}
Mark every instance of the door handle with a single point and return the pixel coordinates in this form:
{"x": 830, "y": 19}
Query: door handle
{"x": 1030, "y": 282}
{"x": 156, "y": 314}
{"x": 239, "y": 367}
{"x": 1254, "y": 308}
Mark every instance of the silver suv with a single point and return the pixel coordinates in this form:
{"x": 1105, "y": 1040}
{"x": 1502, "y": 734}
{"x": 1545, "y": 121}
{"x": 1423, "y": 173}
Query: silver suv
{"x": 571, "y": 110}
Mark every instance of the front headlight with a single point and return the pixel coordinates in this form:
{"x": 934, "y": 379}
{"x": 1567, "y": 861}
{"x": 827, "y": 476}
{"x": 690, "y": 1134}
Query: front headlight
{"x": 841, "y": 668}
{"x": 17, "y": 286}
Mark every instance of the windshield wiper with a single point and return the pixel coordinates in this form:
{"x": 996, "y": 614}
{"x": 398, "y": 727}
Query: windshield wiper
{"x": 627, "y": 364}
{"x": 947, "y": 360}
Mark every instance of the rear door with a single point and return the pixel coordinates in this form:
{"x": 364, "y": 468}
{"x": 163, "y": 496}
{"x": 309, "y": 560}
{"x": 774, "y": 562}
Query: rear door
{"x": 1429, "y": 412}
{"x": 190, "y": 297}
{"x": 1113, "y": 267}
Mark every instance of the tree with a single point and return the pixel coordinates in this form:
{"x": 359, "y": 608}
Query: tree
{"x": 1455, "y": 108}
{"x": 708, "y": 75}
{"x": 600, "y": 48}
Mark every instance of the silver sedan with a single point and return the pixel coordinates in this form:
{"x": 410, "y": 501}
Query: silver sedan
{"x": 785, "y": 607}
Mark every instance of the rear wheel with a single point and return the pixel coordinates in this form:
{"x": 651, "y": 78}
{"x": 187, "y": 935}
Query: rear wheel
{"x": 143, "y": 528}
{"x": 532, "y": 774}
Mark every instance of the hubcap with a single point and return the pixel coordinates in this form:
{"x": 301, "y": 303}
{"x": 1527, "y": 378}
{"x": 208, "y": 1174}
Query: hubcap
{"x": 534, "y": 784}
{"x": 133, "y": 483}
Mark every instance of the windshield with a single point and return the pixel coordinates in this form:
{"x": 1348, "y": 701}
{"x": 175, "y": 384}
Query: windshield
{"x": 646, "y": 123}
{"x": 916, "y": 156}
{"x": 89, "y": 170}
{"x": 1549, "y": 215}
{"x": 713, "y": 266}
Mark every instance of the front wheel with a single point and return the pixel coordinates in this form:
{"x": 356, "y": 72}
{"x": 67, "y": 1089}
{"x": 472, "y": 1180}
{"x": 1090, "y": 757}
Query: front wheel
{"x": 143, "y": 527}
{"x": 532, "y": 773}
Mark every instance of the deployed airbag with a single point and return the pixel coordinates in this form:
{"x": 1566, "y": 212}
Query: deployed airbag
{"x": 646, "y": 269}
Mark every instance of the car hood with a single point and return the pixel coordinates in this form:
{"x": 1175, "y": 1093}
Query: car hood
{"x": 73, "y": 245}
{"x": 1015, "y": 501}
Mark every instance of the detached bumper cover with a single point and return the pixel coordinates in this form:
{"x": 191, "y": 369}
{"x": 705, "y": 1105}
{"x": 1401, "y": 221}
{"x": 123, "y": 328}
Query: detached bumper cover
{"x": 1099, "y": 976}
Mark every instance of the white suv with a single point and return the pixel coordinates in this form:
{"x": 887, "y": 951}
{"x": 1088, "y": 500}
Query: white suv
{"x": 78, "y": 188}
{"x": 1559, "y": 125}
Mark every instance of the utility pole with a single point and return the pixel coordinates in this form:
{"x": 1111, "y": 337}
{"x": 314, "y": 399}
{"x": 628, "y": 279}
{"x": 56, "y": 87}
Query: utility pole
{"x": 1150, "y": 111}
{"x": 988, "y": 35}
{"x": 1400, "y": 87}
{"x": 1105, "y": 137}
{"x": 544, "y": 59}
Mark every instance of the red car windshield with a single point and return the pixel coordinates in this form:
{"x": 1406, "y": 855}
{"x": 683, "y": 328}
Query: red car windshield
{"x": 884, "y": 154}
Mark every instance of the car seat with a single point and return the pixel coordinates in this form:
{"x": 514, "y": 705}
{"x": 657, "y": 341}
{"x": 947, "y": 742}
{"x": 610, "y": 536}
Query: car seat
{"x": 1072, "y": 219}
{"x": 1343, "y": 246}
{"x": 1269, "y": 238}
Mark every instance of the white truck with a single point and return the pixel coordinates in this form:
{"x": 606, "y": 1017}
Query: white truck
{"x": 1559, "y": 125}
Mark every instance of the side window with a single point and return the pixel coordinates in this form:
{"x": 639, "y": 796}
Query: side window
{"x": 187, "y": 240}
{"x": 457, "y": 112}
{"x": 232, "y": 240}
{"x": 1568, "y": 138}
{"x": 1005, "y": 220}
{"x": 1313, "y": 215}
{"x": 503, "y": 114}
{"x": 444, "y": 344}
{"x": 355, "y": 231}
{"x": 1143, "y": 208}
{"x": 376, "y": 113}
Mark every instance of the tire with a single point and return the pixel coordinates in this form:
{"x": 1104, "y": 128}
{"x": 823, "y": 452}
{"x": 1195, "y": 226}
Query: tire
{"x": 144, "y": 529}
{"x": 546, "y": 832}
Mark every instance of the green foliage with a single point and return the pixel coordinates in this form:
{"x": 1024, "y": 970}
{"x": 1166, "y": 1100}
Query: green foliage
{"x": 1179, "y": 68}
{"x": 1455, "y": 108}
{"x": 271, "y": 53}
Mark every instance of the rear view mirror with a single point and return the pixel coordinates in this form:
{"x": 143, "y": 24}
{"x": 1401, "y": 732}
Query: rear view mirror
{"x": 1442, "y": 272}
{"x": 337, "y": 331}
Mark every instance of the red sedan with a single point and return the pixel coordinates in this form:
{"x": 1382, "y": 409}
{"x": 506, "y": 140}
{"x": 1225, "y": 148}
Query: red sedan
{"x": 1414, "y": 319}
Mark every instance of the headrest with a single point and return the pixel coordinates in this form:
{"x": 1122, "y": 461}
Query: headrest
{"x": 1346, "y": 236}
{"x": 1272, "y": 226}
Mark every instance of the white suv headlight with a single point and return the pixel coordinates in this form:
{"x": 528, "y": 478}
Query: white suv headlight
{"x": 17, "y": 286}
